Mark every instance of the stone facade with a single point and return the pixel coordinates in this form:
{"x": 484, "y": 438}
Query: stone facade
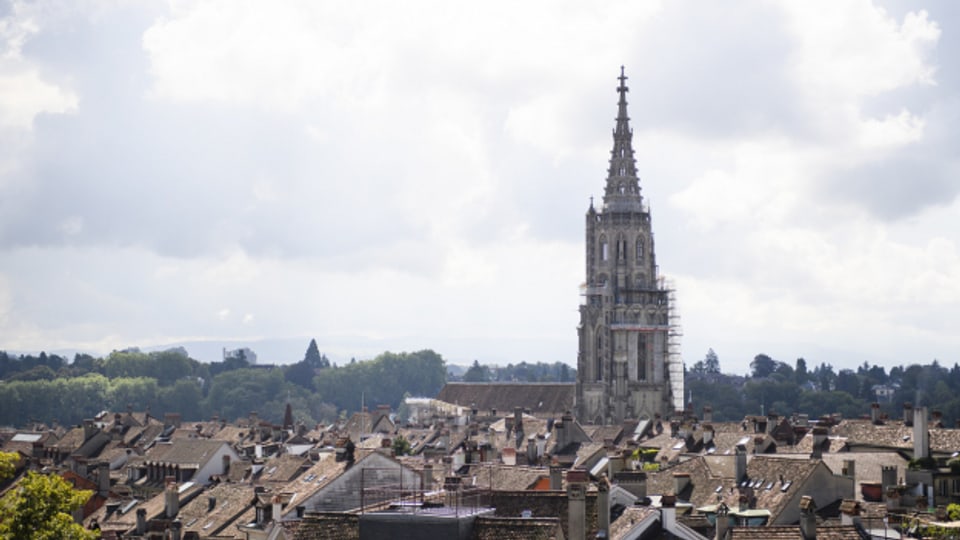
{"x": 625, "y": 331}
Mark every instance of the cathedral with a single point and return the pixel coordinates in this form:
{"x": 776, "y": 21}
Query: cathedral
{"x": 628, "y": 365}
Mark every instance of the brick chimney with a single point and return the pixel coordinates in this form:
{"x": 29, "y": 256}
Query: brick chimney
{"x": 819, "y": 438}
{"x": 875, "y": 413}
{"x": 680, "y": 482}
{"x": 103, "y": 478}
{"x": 921, "y": 435}
{"x": 908, "y": 414}
{"x": 633, "y": 481}
{"x": 556, "y": 478}
{"x": 849, "y": 468}
{"x": 175, "y": 528}
{"x": 707, "y": 414}
{"x": 808, "y": 518}
{"x": 723, "y": 520}
{"x": 576, "y": 506}
{"x": 668, "y": 512}
{"x": 707, "y": 435}
{"x": 888, "y": 477}
{"x": 603, "y": 507}
{"x": 171, "y": 498}
{"x": 141, "y": 521}
{"x": 740, "y": 470}
{"x": 849, "y": 512}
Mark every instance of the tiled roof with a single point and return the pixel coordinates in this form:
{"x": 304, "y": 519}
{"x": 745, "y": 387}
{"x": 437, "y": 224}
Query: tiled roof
{"x": 227, "y": 501}
{"x": 502, "y": 528}
{"x": 868, "y": 466}
{"x": 630, "y": 518}
{"x": 538, "y": 398}
{"x": 328, "y": 526}
{"x": 507, "y": 477}
{"x": 894, "y": 434}
{"x": 283, "y": 469}
{"x": 185, "y": 452}
{"x": 792, "y": 532}
{"x": 544, "y": 504}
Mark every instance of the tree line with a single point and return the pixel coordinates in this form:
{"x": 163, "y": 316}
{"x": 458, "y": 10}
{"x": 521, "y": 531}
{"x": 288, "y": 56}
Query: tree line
{"x": 818, "y": 390}
{"x": 49, "y": 389}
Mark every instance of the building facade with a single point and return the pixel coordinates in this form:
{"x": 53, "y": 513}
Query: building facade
{"x": 628, "y": 365}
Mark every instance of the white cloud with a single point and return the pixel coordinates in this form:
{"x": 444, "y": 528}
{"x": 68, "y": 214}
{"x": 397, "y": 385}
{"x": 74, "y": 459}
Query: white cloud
{"x": 23, "y": 91}
{"x": 395, "y": 171}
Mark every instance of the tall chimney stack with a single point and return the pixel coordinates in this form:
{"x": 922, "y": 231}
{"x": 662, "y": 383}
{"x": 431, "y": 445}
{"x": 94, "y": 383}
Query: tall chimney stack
{"x": 921, "y": 435}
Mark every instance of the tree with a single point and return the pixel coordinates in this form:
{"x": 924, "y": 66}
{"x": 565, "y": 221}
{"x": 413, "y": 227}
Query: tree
{"x": 477, "y": 373}
{"x": 762, "y": 366}
{"x": 312, "y": 357}
{"x": 711, "y": 362}
{"x": 8, "y": 463}
{"x": 401, "y": 446}
{"x": 40, "y": 506}
{"x": 800, "y": 371}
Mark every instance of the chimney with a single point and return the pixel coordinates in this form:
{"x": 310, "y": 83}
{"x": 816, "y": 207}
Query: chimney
{"x": 171, "y": 498}
{"x": 277, "y": 503}
{"x": 680, "y": 482}
{"x": 936, "y": 417}
{"x": 771, "y": 422}
{"x": 603, "y": 508}
{"x": 908, "y": 414}
{"x": 225, "y": 464}
{"x": 808, "y": 518}
{"x": 708, "y": 435}
{"x": 556, "y": 478}
{"x": 89, "y": 429}
{"x": 175, "y": 529}
{"x": 518, "y": 426}
{"x": 921, "y": 436}
{"x": 722, "y": 521}
{"x": 211, "y": 503}
{"x": 576, "y": 508}
{"x": 668, "y": 512}
{"x": 141, "y": 521}
{"x": 888, "y": 477}
{"x": 633, "y": 481}
{"x": 875, "y": 413}
{"x": 531, "y": 450}
{"x": 707, "y": 414}
{"x": 427, "y": 477}
{"x": 171, "y": 420}
{"x": 849, "y": 468}
{"x": 849, "y": 512}
{"x": 103, "y": 478}
{"x": 819, "y": 438}
{"x": 740, "y": 471}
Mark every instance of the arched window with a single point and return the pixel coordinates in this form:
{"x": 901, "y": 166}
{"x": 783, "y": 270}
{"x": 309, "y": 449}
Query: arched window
{"x": 640, "y": 248}
{"x": 604, "y": 249}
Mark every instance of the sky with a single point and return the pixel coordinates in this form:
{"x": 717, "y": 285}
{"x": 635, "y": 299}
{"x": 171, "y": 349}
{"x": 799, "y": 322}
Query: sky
{"x": 408, "y": 175}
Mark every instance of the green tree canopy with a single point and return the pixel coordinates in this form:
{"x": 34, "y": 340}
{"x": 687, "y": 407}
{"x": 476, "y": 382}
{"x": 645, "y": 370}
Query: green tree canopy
{"x": 40, "y": 507}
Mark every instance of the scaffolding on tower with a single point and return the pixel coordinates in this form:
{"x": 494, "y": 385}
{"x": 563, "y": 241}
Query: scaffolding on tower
{"x": 674, "y": 336}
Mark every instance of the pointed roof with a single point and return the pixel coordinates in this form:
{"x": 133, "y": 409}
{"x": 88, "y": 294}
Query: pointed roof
{"x": 622, "y": 193}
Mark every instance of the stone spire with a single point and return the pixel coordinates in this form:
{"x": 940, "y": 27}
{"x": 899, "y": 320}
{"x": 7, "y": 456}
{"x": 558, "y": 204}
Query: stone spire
{"x": 622, "y": 193}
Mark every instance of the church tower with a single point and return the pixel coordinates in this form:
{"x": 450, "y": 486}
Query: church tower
{"x": 628, "y": 365}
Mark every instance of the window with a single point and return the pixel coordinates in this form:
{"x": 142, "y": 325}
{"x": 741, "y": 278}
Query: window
{"x": 641, "y": 357}
{"x": 639, "y": 249}
{"x": 604, "y": 249}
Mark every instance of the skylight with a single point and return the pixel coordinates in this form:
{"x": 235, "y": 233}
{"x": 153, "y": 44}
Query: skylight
{"x": 786, "y": 485}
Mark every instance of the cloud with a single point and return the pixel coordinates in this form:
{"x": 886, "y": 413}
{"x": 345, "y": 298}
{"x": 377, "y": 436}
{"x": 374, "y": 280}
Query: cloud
{"x": 420, "y": 172}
